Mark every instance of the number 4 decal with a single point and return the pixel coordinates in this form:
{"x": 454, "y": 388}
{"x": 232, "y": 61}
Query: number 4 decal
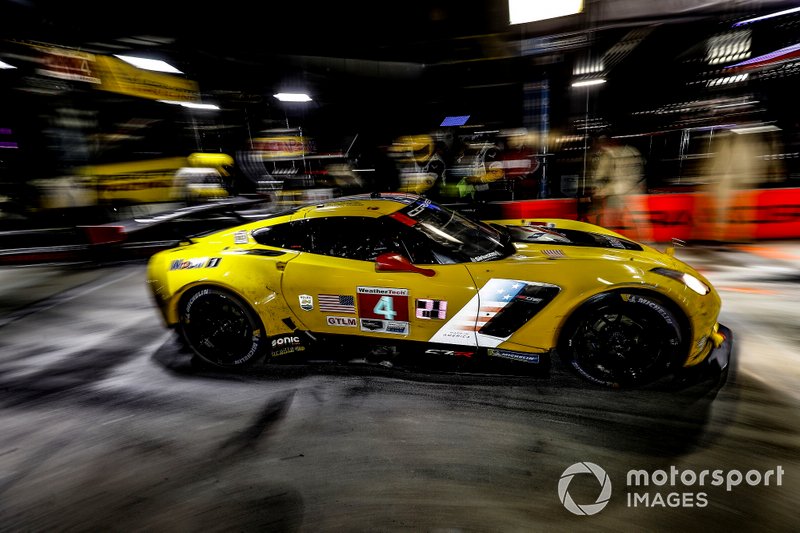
{"x": 382, "y": 303}
{"x": 385, "y": 308}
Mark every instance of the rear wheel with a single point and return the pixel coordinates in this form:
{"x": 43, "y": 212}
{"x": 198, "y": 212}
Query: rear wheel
{"x": 622, "y": 340}
{"x": 220, "y": 328}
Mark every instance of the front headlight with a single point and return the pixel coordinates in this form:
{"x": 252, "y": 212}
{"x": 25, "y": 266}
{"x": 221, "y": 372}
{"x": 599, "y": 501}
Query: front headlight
{"x": 687, "y": 279}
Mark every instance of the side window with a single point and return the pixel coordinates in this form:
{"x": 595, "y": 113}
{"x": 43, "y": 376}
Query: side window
{"x": 419, "y": 249}
{"x": 359, "y": 238}
{"x": 289, "y": 235}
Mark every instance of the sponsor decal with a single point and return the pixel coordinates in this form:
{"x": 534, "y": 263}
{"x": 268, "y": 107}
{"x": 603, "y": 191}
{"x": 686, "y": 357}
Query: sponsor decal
{"x": 384, "y": 326}
{"x": 371, "y": 325}
{"x": 186, "y": 264}
{"x": 336, "y": 303}
{"x": 452, "y": 353}
{"x": 383, "y": 303}
{"x": 636, "y": 299}
{"x": 456, "y": 337}
{"x": 484, "y": 257}
{"x": 527, "y": 299}
{"x": 197, "y": 262}
{"x": 240, "y": 237}
{"x": 431, "y": 309}
{"x": 420, "y": 208}
{"x": 286, "y": 344}
{"x": 515, "y": 356}
{"x": 341, "y": 321}
{"x": 400, "y": 328}
{"x": 306, "y": 302}
{"x": 382, "y": 291}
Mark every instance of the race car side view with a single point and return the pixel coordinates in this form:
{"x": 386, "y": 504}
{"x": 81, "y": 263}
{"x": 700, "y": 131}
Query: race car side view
{"x": 400, "y": 271}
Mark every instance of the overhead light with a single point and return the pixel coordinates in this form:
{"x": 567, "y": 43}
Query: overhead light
{"x": 522, "y": 11}
{"x": 155, "y": 65}
{"x": 4, "y": 65}
{"x": 292, "y": 97}
{"x": 755, "y": 129}
{"x": 191, "y": 105}
{"x": 588, "y": 83}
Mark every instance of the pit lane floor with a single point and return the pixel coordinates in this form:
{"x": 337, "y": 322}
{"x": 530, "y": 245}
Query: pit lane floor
{"x": 107, "y": 426}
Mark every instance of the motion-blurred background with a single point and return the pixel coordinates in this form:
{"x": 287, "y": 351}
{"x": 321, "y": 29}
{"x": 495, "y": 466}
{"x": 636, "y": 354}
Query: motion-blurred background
{"x": 462, "y": 102}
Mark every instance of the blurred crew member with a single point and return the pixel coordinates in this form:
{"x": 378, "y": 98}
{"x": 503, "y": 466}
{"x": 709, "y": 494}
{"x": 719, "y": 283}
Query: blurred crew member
{"x": 617, "y": 189}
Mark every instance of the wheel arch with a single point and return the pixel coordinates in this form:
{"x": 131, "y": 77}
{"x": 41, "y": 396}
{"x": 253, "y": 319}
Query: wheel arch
{"x": 680, "y": 314}
{"x": 173, "y": 310}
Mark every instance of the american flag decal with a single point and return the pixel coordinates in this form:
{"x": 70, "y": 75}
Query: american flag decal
{"x": 428, "y": 309}
{"x": 464, "y": 326}
{"x": 337, "y": 303}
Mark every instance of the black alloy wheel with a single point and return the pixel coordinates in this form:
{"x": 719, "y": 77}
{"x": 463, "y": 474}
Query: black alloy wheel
{"x": 622, "y": 340}
{"x": 220, "y": 328}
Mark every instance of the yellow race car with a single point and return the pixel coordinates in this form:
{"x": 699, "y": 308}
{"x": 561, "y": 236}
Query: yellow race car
{"x": 398, "y": 273}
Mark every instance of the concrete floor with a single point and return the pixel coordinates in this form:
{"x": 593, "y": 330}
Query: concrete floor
{"x": 106, "y": 425}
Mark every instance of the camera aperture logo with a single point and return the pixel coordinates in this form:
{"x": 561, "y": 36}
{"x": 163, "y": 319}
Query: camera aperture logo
{"x": 602, "y": 498}
{"x": 669, "y": 487}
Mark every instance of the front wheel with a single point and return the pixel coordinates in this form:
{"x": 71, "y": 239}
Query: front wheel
{"x": 220, "y": 328}
{"x": 622, "y": 340}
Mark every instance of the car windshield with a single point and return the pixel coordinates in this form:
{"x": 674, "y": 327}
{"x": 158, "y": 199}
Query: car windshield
{"x": 461, "y": 238}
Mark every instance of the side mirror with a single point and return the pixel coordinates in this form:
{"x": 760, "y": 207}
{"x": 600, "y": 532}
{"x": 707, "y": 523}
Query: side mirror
{"x": 394, "y": 262}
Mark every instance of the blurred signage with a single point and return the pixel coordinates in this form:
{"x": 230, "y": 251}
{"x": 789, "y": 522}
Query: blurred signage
{"x": 111, "y": 74}
{"x": 119, "y": 77}
{"x": 66, "y": 64}
{"x": 283, "y": 146}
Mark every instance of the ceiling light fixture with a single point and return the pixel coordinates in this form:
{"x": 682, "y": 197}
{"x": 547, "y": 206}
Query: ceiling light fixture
{"x": 522, "y": 11}
{"x": 292, "y": 97}
{"x": 588, "y": 83}
{"x": 192, "y": 105}
{"x": 156, "y": 65}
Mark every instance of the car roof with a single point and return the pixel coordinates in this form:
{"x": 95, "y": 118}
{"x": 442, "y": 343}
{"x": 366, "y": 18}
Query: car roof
{"x": 371, "y": 205}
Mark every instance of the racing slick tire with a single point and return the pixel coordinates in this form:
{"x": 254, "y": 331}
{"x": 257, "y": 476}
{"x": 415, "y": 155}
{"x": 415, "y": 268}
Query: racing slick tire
{"x": 220, "y": 328}
{"x": 623, "y": 340}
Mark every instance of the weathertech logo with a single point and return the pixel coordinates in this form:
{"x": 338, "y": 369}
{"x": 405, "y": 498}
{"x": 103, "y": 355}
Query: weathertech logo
{"x": 602, "y": 498}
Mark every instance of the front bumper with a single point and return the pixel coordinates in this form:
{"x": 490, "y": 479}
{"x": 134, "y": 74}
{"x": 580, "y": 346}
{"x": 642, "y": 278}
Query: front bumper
{"x": 716, "y": 364}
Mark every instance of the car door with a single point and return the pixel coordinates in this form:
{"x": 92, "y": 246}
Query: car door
{"x": 337, "y": 288}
